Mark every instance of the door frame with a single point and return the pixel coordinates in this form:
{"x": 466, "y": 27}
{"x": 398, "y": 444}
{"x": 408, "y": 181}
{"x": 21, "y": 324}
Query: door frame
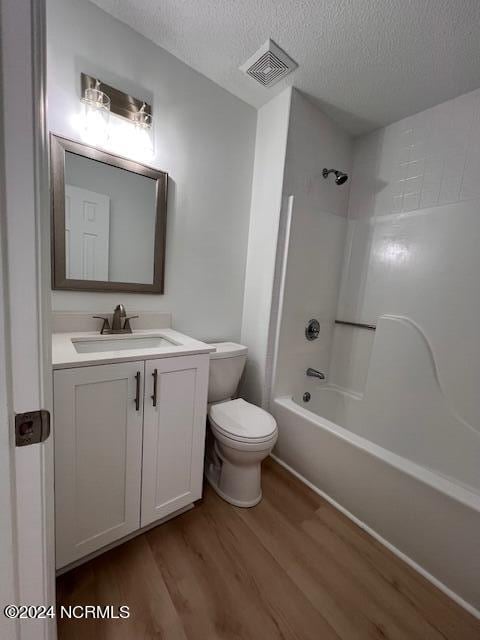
{"x": 8, "y": 581}
{"x": 26, "y": 300}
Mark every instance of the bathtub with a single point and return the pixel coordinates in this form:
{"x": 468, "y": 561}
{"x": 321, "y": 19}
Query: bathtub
{"x": 408, "y": 502}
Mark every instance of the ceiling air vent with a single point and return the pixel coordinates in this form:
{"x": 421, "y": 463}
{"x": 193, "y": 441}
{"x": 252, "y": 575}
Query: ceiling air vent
{"x": 269, "y": 64}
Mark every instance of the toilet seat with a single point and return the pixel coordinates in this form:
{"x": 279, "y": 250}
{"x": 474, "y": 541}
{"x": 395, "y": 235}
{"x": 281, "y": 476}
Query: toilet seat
{"x": 239, "y": 421}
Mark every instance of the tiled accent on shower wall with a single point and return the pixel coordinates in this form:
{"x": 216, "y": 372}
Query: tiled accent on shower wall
{"x": 429, "y": 159}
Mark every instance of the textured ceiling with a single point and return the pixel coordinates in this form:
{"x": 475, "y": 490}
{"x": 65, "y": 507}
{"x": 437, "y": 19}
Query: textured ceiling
{"x": 365, "y": 62}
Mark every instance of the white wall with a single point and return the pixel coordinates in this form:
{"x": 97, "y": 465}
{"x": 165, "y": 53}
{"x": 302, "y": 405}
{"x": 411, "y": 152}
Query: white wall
{"x": 270, "y": 149}
{"x": 204, "y": 139}
{"x": 413, "y": 245}
{"x": 315, "y": 250}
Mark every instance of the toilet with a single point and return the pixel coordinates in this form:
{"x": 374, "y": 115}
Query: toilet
{"x": 241, "y": 435}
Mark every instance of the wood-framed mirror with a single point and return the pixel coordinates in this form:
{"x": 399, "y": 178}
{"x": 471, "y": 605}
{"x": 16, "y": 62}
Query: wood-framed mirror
{"x": 109, "y": 219}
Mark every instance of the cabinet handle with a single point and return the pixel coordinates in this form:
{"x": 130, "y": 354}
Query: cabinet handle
{"x": 155, "y": 380}
{"x": 137, "y": 395}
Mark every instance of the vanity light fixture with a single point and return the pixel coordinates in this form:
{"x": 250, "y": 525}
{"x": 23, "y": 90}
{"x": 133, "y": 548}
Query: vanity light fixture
{"x": 101, "y": 99}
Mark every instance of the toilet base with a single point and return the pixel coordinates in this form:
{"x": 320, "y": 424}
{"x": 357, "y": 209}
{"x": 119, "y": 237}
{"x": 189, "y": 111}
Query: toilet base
{"x": 236, "y": 503}
{"x": 235, "y": 473}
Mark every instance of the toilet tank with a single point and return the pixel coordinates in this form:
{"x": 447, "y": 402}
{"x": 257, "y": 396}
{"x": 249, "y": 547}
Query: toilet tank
{"x": 226, "y": 368}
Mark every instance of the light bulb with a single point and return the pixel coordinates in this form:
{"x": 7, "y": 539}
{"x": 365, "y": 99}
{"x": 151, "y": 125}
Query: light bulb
{"x": 96, "y": 125}
{"x": 143, "y": 145}
{"x": 97, "y": 115}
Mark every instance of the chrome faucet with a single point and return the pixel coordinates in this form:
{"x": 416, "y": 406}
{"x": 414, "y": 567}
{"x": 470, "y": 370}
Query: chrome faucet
{"x": 119, "y": 313}
{"x": 313, "y": 373}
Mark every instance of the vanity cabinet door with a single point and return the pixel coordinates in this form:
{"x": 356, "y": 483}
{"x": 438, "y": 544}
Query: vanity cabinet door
{"x": 174, "y": 434}
{"x": 98, "y": 456}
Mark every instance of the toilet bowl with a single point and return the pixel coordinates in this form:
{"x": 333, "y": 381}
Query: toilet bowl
{"x": 240, "y": 434}
{"x": 243, "y": 435}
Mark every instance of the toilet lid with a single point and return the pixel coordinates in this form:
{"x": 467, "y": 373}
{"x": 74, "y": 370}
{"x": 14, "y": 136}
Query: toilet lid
{"x": 239, "y": 419}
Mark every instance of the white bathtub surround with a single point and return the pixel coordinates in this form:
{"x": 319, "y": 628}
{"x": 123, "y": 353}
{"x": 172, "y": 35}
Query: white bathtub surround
{"x": 315, "y": 244}
{"x": 292, "y": 204}
{"x": 405, "y": 408}
{"x": 350, "y": 359}
{"x": 412, "y": 242}
{"x": 393, "y": 435}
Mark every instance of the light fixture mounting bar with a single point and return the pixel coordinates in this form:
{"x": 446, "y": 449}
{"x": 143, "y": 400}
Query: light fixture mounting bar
{"x": 121, "y": 103}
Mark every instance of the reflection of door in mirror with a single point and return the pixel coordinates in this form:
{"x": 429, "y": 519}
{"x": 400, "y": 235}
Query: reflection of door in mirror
{"x": 87, "y": 231}
{"x": 128, "y": 249}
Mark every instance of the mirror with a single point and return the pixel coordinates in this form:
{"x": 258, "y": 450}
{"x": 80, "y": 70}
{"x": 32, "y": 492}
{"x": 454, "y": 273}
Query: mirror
{"x": 109, "y": 220}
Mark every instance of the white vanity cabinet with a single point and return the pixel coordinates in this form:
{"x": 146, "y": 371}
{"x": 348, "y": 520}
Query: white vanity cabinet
{"x": 120, "y": 462}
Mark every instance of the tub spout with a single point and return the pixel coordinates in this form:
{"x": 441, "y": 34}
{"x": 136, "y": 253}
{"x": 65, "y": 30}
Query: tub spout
{"x": 313, "y": 373}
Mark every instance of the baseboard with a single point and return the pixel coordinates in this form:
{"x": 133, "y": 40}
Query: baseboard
{"x": 117, "y": 543}
{"x": 414, "y": 565}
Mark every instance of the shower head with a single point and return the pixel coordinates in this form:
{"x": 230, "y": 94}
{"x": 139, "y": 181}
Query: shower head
{"x": 340, "y": 176}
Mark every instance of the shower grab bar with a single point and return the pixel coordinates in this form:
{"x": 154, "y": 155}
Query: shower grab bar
{"x": 361, "y": 325}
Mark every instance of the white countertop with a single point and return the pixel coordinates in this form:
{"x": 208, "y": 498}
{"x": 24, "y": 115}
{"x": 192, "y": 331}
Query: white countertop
{"x": 65, "y": 356}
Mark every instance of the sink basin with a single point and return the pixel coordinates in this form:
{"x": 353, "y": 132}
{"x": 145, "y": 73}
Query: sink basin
{"x": 97, "y": 345}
